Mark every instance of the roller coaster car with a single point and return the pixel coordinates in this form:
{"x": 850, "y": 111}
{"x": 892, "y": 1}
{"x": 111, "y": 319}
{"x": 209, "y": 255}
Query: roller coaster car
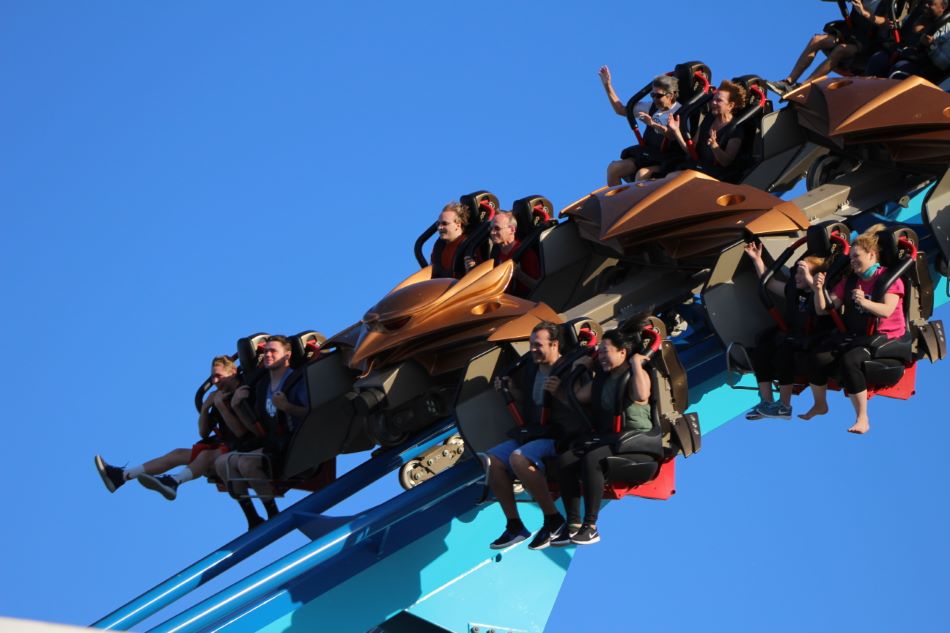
{"x": 411, "y": 347}
{"x": 891, "y": 371}
{"x": 486, "y": 417}
{"x": 902, "y": 124}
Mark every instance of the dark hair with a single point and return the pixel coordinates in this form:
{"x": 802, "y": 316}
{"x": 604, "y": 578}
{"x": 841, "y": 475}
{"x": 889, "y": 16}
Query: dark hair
{"x": 553, "y": 330}
{"x": 737, "y": 94}
{"x": 277, "y": 338}
{"x": 620, "y": 340}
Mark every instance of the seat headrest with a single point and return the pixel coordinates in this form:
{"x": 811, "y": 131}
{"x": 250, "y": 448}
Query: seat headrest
{"x": 305, "y": 347}
{"x": 580, "y": 332}
{"x": 828, "y": 238}
{"x": 689, "y": 83}
{"x": 250, "y": 355}
{"x": 532, "y": 212}
{"x": 482, "y": 205}
{"x": 895, "y": 244}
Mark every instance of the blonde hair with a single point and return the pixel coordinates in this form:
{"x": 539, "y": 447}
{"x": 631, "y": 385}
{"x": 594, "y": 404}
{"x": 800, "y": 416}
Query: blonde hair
{"x": 869, "y": 240}
{"x": 816, "y": 264}
{"x": 224, "y": 361}
{"x": 460, "y": 210}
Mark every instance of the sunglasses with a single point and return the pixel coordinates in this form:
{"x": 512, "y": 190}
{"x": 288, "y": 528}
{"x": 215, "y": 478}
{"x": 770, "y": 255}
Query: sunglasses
{"x": 658, "y": 95}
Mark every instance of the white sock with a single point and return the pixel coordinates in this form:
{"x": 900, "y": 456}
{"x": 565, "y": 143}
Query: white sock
{"x": 183, "y": 475}
{"x": 133, "y": 472}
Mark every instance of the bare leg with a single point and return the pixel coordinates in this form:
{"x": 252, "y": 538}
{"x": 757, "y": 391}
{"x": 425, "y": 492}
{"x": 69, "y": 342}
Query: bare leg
{"x": 820, "y": 407}
{"x": 534, "y": 482}
{"x": 618, "y": 170}
{"x": 171, "y": 459}
{"x": 819, "y": 42}
{"x": 646, "y": 173}
{"x": 785, "y": 394}
{"x": 500, "y": 483}
{"x": 253, "y": 468}
{"x": 860, "y": 403}
{"x": 227, "y": 468}
{"x": 204, "y": 463}
{"x": 765, "y": 392}
{"x": 836, "y": 57}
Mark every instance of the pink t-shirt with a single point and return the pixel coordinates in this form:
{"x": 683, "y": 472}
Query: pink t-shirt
{"x": 892, "y": 326}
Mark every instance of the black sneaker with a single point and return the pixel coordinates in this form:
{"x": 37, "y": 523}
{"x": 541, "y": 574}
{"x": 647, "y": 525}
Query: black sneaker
{"x": 562, "y": 536}
{"x": 509, "y": 538}
{"x": 587, "y": 535}
{"x": 165, "y": 485}
{"x": 112, "y": 476}
{"x": 543, "y": 538}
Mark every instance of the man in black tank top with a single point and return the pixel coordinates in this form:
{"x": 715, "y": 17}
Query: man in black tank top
{"x": 547, "y": 417}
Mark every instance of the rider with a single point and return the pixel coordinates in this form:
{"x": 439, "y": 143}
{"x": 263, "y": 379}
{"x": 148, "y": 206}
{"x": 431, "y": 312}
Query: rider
{"x": 451, "y": 226}
{"x": 526, "y": 460}
{"x": 505, "y": 243}
{"x": 774, "y": 357}
{"x": 197, "y": 460}
{"x": 617, "y": 354}
{"x": 851, "y": 37}
{"x": 279, "y": 413}
{"x": 649, "y": 158}
{"x": 716, "y": 150}
{"x": 848, "y": 355}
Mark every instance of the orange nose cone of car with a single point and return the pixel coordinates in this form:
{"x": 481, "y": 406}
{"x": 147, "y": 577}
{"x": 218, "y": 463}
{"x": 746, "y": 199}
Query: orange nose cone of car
{"x": 429, "y": 313}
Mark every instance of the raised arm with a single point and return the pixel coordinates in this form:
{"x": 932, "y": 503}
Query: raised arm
{"x": 615, "y": 102}
{"x": 639, "y": 384}
{"x": 754, "y": 251}
{"x": 821, "y": 304}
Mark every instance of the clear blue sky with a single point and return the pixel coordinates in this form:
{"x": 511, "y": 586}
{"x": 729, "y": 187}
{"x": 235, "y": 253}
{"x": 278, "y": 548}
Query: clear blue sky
{"x": 176, "y": 175}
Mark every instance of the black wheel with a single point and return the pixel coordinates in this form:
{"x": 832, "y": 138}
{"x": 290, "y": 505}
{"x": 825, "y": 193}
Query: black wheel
{"x": 828, "y": 168}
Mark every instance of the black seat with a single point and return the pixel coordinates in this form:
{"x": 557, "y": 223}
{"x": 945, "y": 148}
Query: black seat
{"x": 482, "y": 207}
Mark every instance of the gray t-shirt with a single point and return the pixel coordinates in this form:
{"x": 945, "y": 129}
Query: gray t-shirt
{"x": 537, "y": 390}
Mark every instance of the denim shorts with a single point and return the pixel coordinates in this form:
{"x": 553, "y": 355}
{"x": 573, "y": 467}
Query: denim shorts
{"x": 535, "y": 451}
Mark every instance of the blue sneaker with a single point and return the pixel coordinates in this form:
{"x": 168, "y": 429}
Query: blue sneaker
{"x": 776, "y": 410}
{"x": 755, "y": 412}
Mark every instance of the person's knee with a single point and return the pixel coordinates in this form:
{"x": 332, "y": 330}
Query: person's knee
{"x": 221, "y": 467}
{"x": 819, "y": 41}
{"x": 844, "y": 51}
{"x": 621, "y": 168}
{"x": 522, "y": 466}
{"x": 250, "y": 466}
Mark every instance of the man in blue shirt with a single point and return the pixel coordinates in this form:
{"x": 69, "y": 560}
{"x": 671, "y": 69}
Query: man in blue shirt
{"x": 280, "y": 404}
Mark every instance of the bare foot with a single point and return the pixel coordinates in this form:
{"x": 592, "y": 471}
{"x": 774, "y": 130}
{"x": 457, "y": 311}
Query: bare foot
{"x": 861, "y": 426}
{"x": 815, "y": 410}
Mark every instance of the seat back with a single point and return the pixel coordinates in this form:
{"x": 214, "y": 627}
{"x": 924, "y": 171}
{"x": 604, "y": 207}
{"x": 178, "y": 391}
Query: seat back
{"x": 482, "y": 207}
{"x": 250, "y": 351}
{"x": 305, "y": 347}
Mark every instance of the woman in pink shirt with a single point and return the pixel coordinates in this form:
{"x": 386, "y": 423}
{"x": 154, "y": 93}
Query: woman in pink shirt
{"x": 848, "y": 355}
